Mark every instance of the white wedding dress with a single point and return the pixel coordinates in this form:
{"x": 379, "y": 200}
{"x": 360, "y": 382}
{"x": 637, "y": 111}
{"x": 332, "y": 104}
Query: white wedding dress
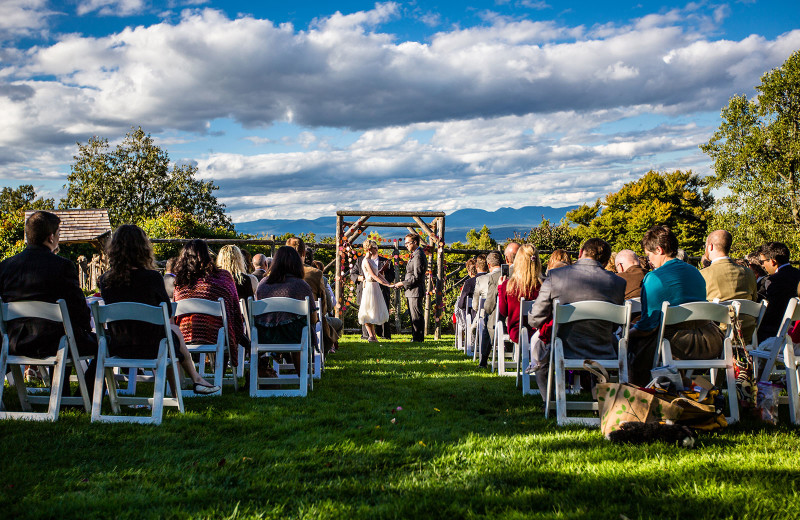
{"x": 372, "y": 308}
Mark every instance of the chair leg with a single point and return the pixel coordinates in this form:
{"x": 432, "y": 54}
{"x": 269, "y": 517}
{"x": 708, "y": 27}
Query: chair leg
{"x": 548, "y": 400}
{"x": 792, "y": 384}
{"x": 97, "y": 393}
{"x": 158, "y": 393}
{"x": 561, "y": 390}
{"x": 253, "y": 369}
{"x": 22, "y": 390}
{"x": 60, "y": 378}
{"x": 733, "y": 398}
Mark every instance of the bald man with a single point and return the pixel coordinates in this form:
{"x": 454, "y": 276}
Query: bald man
{"x": 259, "y": 261}
{"x": 629, "y": 269}
{"x": 725, "y": 279}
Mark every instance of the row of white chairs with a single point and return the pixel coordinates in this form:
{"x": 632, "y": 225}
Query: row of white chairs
{"x": 164, "y": 363}
{"x": 769, "y": 353}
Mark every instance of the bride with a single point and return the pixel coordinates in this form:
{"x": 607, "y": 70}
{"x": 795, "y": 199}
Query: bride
{"x": 372, "y": 308}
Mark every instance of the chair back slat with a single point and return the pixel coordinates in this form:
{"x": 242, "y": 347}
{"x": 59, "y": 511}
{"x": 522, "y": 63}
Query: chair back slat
{"x": 590, "y": 310}
{"x": 32, "y": 309}
{"x": 636, "y": 304}
{"x": 278, "y": 304}
{"x": 129, "y": 311}
{"x": 525, "y": 307}
{"x": 200, "y": 306}
{"x": 695, "y": 311}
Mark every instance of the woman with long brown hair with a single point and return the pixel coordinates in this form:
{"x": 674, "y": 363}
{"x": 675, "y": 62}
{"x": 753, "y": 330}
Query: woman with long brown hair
{"x": 197, "y": 276}
{"x": 132, "y": 278}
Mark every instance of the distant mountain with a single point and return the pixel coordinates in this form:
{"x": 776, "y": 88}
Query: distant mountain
{"x": 502, "y": 223}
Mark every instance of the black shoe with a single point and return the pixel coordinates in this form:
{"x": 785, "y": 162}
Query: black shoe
{"x": 483, "y": 366}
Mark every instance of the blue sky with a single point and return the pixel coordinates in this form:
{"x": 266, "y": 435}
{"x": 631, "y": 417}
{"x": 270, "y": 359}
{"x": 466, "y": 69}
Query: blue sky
{"x": 298, "y": 109}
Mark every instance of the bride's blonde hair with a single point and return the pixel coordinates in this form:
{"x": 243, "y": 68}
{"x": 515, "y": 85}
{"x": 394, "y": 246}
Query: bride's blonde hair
{"x": 527, "y": 268}
{"x": 368, "y": 245}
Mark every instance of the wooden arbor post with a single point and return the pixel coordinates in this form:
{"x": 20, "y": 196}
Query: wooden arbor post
{"x": 436, "y": 242}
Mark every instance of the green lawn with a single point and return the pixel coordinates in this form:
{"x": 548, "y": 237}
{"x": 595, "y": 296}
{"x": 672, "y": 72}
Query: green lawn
{"x": 464, "y": 444}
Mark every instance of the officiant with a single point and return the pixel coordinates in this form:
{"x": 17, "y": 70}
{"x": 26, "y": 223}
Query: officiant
{"x": 386, "y": 268}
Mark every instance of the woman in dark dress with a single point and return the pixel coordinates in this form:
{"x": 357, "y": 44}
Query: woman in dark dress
{"x": 132, "y": 278}
{"x": 285, "y": 280}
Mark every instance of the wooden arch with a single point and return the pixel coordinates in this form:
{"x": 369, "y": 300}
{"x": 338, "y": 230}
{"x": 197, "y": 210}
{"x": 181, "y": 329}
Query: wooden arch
{"x": 347, "y": 231}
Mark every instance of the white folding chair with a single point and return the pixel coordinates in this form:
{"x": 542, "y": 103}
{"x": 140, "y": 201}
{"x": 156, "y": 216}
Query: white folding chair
{"x": 524, "y": 347}
{"x": 700, "y": 311}
{"x": 318, "y": 353}
{"x": 579, "y": 311}
{"x": 67, "y": 354}
{"x": 256, "y": 308}
{"x": 478, "y": 345}
{"x": 164, "y": 360}
{"x": 748, "y": 308}
{"x": 246, "y": 320}
{"x": 769, "y": 351}
{"x": 499, "y": 357}
{"x": 460, "y": 329}
{"x": 636, "y": 305}
{"x": 469, "y": 336}
{"x": 204, "y": 351}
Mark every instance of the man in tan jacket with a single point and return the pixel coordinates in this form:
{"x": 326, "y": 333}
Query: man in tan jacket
{"x": 331, "y": 327}
{"x": 725, "y": 279}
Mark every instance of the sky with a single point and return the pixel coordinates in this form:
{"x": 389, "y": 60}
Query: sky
{"x": 298, "y": 109}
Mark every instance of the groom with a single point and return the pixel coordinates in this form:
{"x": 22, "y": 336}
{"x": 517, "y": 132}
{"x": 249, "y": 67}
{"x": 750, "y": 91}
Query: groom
{"x": 414, "y": 285}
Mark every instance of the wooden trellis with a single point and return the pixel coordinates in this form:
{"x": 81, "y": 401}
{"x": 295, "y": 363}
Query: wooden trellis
{"x": 347, "y": 232}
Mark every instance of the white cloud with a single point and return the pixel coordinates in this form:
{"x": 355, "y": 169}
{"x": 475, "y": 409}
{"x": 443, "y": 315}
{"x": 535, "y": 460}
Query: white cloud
{"x": 23, "y": 17}
{"x": 509, "y": 102}
{"x": 111, "y": 7}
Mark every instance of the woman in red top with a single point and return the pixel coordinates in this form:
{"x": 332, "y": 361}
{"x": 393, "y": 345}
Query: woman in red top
{"x": 196, "y": 276}
{"x": 524, "y": 283}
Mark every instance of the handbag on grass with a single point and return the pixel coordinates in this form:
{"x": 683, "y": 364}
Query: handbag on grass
{"x": 622, "y": 402}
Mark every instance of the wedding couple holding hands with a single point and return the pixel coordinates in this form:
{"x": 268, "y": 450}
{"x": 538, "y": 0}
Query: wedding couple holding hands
{"x": 373, "y": 310}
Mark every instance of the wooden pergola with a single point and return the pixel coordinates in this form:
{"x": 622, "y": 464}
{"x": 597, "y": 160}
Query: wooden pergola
{"x": 348, "y": 231}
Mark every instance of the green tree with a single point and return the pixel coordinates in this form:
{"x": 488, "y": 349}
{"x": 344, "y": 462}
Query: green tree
{"x": 680, "y": 200}
{"x": 135, "y": 182}
{"x": 756, "y": 153}
{"x": 481, "y": 239}
{"x": 547, "y": 237}
{"x": 175, "y": 223}
{"x": 13, "y": 204}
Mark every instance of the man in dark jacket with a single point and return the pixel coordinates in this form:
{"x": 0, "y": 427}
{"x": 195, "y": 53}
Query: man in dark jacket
{"x": 38, "y": 274}
{"x": 781, "y": 286}
{"x": 414, "y": 285}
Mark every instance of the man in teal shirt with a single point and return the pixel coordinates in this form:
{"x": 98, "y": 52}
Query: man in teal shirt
{"x": 676, "y": 282}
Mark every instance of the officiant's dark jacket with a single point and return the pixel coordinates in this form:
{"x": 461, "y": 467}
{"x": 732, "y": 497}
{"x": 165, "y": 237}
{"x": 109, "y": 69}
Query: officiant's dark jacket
{"x": 414, "y": 282}
{"x": 37, "y": 274}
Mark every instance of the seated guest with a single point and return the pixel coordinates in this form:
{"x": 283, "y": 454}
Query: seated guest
{"x": 754, "y": 262}
{"x": 468, "y": 288}
{"x": 285, "y": 280}
{"x": 629, "y": 269}
{"x": 585, "y": 280}
{"x": 331, "y": 327}
{"x": 38, "y": 274}
{"x": 169, "y": 277}
{"x": 317, "y": 264}
{"x": 523, "y": 283}
{"x": 509, "y": 253}
{"x": 132, "y": 278}
{"x": 230, "y": 259}
{"x": 486, "y": 286}
{"x": 259, "y": 266}
{"x": 677, "y": 282}
{"x": 558, "y": 258}
{"x": 196, "y": 276}
{"x": 725, "y": 280}
{"x": 780, "y": 287}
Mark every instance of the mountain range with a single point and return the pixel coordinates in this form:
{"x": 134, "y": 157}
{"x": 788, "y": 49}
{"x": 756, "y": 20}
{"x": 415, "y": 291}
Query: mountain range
{"x": 503, "y": 223}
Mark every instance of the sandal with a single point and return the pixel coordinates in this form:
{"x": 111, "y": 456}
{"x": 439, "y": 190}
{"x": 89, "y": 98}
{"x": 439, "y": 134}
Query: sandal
{"x": 202, "y": 389}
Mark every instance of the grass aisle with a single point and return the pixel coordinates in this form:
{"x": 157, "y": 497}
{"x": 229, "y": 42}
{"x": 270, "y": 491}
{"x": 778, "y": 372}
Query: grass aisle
{"x": 393, "y": 430}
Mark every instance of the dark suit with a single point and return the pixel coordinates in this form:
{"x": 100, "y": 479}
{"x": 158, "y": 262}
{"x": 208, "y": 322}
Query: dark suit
{"x": 414, "y": 285}
{"x": 467, "y": 290}
{"x": 383, "y": 330}
{"x": 633, "y": 277}
{"x": 37, "y": 274}
{"x": 780, "y": 288}
{"x": 584, "y": 280}
{"x": 486, "y": 286}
